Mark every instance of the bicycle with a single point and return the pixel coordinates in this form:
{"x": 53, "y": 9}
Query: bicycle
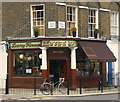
{"x": 48, "y": 85}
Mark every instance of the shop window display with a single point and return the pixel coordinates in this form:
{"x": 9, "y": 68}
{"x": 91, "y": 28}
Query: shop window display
{"x": 27, "y": 64}
{"x": 87, "y": 68}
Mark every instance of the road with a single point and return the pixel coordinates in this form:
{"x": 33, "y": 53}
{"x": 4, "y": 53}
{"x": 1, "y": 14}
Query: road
{"x": 98, "y": 98}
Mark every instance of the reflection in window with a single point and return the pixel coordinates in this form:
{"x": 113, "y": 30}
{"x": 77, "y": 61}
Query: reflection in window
{"x": 27, "y": 64}
{"x": 86, "y": 68}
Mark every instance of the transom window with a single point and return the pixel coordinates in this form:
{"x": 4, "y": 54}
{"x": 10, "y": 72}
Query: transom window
{"x": 38, "y": 19}
{"x": 92, "y": 22}
{"x": 71, "y": 19}
{"x": 114, "y": 25}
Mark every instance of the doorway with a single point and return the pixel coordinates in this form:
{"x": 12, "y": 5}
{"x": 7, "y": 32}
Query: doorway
{"x": 57, "y": 69}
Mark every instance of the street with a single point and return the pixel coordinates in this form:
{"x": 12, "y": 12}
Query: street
{"x": 96, "y": 98}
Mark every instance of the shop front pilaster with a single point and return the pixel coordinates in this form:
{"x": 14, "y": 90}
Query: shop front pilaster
{"x": 44, "y": 62}
{"x": 73, "y": 66}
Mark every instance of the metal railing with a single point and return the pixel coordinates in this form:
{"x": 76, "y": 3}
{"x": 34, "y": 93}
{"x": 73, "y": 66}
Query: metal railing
{"x": 33, "y": 87}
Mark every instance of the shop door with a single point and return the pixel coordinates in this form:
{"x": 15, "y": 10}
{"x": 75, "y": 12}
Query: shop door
{"x": 57, "y": 69}
{"x": 109, "y": 73}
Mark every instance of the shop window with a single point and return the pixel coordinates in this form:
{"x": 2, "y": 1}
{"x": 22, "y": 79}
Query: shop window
{"x": 87, "y": 68}
{"x": 92, "y": 21}
{"x": 114, "y": 25}
{"x": 71, "y": 19}
{"x": 38, "y": 19}
{"x": 27, "y": 64}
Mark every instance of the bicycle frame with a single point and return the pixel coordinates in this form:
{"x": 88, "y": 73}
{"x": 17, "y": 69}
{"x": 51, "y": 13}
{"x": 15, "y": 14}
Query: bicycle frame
{"x": 52, "y": 84}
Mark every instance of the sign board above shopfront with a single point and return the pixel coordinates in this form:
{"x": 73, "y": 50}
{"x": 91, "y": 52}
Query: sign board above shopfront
{"x": 58, "y": 43}
{"x": 26, "y": 45}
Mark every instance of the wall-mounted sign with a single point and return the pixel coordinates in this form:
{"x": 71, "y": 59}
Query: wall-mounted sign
{"x": 27, "y": 45}
{"x": 61, "y": 25}
{"x": 51, "y": 24}
{"x": 59, "y": 43}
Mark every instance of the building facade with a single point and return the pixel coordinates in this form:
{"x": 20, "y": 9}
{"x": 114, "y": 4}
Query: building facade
{"x": 55, "y": 52}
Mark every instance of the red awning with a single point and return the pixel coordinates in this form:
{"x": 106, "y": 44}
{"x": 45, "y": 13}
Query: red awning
{"x": 97, "y": 51}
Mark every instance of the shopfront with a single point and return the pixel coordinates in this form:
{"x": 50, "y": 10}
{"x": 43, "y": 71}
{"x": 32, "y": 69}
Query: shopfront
{"x": 71, "y": 58}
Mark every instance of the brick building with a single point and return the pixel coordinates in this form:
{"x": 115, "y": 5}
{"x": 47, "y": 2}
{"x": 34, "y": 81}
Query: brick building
{"x": 83, "y": 56}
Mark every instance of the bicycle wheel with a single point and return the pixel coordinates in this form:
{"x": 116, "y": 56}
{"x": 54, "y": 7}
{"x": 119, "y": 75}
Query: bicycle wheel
{"x": 45, "y": 89}
{"x": 63, "y": 87}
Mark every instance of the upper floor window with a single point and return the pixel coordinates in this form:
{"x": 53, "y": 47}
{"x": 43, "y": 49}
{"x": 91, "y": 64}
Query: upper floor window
{"x": 114, "y": 25}
{"x": 92, "y": 21}
{"x": 38, "y": 19}
{"x": 71, "y": 19}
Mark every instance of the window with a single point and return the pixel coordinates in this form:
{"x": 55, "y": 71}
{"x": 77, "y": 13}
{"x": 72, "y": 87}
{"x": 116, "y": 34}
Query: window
{"x": 87, "y": 68}
{"x": 38, "y": 19}
{"x": 71, "y": 19}
{"x": 27, "y": 64}
{"x": 114, "y": 25}
{"x": 92, "y": 21}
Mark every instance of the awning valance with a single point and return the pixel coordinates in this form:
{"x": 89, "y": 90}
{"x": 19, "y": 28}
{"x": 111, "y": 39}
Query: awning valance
{"x": 97, "y": 51}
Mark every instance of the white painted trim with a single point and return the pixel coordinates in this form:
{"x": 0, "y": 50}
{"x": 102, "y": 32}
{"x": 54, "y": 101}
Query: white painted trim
{"x": 31, "y": 15}
{"x": 61, "y": 4}
{"x": 106, "y": 10}
{"x": 76, "y": 20}
{"x": 83, "y": 7}
{"x": 37, "y": 4}
{"x": 93, "y": 8}
{"x": 72, "y": 5}
{"x": 97, "y": 19}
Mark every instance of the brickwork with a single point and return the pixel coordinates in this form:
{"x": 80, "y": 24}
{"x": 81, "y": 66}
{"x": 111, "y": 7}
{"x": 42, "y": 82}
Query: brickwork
{"x": 16, "y": 18}
{"x": 61, "y": 17}
{"x": 104, "y": 24}
{"x": 83, "y": 23}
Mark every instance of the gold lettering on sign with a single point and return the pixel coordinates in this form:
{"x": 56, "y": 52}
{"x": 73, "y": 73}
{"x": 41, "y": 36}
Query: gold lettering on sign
{"x": 25, "y": 45}
{"x": 59, "y": 43}
{"x": 58, "y": 51}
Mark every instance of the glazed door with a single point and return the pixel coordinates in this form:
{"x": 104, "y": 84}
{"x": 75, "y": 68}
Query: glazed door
{"x": 58, "y": 69}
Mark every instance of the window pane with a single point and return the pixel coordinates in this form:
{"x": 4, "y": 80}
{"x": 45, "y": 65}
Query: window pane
{"x": 38, "y": 14}
{"x": 70, "y": 10}
{"x": 18, "y": 64}
{"x": 85, "y": 65}
{"x": 27, "y": 64}
{"x": 70, "y": 17}
{"x": 39, "y": 8}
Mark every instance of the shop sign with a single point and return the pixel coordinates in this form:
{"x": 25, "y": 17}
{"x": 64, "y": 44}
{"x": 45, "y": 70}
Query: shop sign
{"x": 26, "y": 45}
{"x": 61, "y": 25}
{"x": 51, "y": 24}
{"x": 59, "y": 43}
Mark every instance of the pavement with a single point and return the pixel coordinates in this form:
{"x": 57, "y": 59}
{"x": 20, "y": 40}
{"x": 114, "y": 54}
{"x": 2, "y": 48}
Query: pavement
{"x": 23, "y": 96}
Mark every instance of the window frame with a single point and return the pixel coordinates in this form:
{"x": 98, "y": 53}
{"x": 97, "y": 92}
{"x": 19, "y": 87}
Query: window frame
{"x": 76, "y": 19}
{"x": 31, "y": 18}
{"x": 114, "y": 34}
{"x": 96, "y": 20}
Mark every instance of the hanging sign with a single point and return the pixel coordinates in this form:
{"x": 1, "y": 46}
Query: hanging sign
{"x": 59, "y": 43}
{"x": 27, "y": 45}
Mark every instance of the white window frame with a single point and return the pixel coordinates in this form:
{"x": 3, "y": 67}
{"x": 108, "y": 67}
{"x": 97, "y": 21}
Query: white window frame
{"x": 96, "y": 21}
{"x": 31, "y": 18}
{"x": 115, "y": 34}
{"x": 76, "y": 18}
